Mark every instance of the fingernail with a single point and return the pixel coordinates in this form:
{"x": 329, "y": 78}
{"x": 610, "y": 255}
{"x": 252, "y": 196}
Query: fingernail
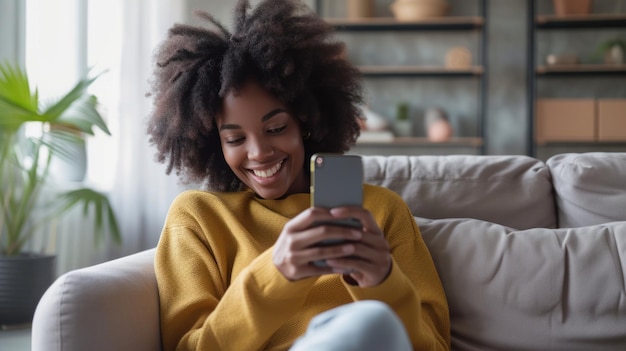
{"x": 348, "y": 248}
{"x": 357, "y": 234}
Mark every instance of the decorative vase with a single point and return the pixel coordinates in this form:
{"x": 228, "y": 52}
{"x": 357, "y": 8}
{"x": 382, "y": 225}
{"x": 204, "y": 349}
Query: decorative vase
{"x": 73, "y": 167}
{"x": 571, "y": 7}
{"x": 437, "y": 125}
{"x": 360, "y": 8}
{"x": 415, "y": 10}
{"x": 23, "y": 280}
{"x": 74, "y": 170}
{"x": 614, "y": 55}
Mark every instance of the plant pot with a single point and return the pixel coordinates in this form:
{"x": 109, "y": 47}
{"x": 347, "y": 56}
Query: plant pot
{"x": 614, "y": 55}
{"x": 571, "y": 7}
{"x": 415, "y": 10}
{"x": 403, "y": 128}
{"x": 74, "y": 170}
{"x": 23, "y": 280}
{"x": 360, "y": 8}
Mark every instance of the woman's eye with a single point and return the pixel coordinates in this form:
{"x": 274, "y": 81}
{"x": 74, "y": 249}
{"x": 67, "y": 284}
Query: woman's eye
{"x": 234, "y": 141}
{"x": 276, "y": 130}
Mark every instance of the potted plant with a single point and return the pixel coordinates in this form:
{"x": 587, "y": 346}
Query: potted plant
{"x": 612, "y": 51}
{"x": 404, "y": 124}
{"x": 29, "y": 199}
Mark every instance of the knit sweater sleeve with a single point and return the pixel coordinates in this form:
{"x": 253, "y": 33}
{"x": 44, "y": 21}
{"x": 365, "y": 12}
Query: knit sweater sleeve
{"x": 197, "y": 295}
{"x": 413, "y": 288}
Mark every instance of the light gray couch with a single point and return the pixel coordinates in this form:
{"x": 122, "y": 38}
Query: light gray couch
{"x": 512, "y": 280}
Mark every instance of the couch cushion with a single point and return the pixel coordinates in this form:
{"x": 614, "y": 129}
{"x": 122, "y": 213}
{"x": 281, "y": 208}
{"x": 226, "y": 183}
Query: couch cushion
{"x": 511, "y": 190}
{"x": 590, "y": 188}
{"x": 537, "y": 289}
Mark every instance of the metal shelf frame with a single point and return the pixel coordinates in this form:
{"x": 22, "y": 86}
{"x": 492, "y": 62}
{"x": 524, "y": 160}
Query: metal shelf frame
{"x": 442, "y": 24}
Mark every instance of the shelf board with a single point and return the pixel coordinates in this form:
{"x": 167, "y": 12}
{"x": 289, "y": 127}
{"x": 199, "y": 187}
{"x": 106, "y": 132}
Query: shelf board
{"x": 416, "y": 70}
{"x": 598, "y": 143}
{"x": 390, "y": 23}
{"x": 581, "y": 21}
{"x": 582, "y": 69}
{"x": 423, "y": 141}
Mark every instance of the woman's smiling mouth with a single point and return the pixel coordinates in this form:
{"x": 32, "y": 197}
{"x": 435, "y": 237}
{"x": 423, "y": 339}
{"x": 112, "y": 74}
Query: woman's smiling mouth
{"x": 266, "y": 173}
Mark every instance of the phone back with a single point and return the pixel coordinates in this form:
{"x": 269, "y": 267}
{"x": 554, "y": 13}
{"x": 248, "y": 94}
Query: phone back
{"x": 336, "y": 180}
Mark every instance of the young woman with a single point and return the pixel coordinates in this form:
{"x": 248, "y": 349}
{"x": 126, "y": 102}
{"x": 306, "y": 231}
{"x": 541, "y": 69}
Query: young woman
{"x": 242, "y": 113}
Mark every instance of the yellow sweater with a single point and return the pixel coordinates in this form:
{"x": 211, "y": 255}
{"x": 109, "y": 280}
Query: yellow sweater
{"x": 219, "y": 289}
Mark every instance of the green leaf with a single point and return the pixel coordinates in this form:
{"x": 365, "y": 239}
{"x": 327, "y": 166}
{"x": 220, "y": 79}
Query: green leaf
{"x": 83, "y": 115}
{"x": 63, "y": 144}
{"x": 99, "y": 203}
{"x": 25, "y": 161}
{"x": 18, "y": 104}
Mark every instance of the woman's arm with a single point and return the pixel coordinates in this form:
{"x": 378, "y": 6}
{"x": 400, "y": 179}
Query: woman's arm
{"x": 200, "y": 307}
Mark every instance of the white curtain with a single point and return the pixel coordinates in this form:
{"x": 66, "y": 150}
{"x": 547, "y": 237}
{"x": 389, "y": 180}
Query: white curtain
{"x": 141, "y": 192}
{"x": 117, "y": 37}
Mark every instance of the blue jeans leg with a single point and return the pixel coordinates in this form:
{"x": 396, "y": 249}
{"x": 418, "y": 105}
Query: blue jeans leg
{"x": 363, "y": 325}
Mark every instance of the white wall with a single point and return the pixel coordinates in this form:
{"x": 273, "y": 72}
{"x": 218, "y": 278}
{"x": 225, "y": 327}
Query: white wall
{"x": 221, "y": 9}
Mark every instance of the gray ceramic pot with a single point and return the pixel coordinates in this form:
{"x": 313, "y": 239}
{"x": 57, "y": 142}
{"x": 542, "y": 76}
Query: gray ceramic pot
{"x": 23, "y": 280}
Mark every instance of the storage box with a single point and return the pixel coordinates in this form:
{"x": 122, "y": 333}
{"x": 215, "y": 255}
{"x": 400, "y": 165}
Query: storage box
{"x": 612, "y": 119}
{"x": 565, "y": 120}
{"x": 571, "y": 7}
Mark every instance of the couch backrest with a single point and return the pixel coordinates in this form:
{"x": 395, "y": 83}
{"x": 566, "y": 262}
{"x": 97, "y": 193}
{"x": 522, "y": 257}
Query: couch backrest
{"x": 515, "y": 191}
{"x": 535, "y": 289}
{"x": 590, "y": 188}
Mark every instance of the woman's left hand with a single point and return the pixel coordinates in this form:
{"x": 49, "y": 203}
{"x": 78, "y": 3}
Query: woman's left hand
{"x": 370, "y": 263}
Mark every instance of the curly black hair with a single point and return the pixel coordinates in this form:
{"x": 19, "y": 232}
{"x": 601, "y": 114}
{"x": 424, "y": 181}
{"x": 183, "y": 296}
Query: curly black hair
{"x": 282, "y": 44}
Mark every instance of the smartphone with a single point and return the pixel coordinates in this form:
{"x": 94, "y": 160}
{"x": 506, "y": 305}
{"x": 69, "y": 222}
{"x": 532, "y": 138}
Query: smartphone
{"x": 336, "y": 180}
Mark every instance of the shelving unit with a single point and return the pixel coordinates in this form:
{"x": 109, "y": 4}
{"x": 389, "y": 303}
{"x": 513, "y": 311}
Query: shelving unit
{"x": 394, "y": 71}
{"x": 536, "y": 72}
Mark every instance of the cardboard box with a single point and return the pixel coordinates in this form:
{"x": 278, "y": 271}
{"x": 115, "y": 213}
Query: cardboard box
{"x": 565, "y": 120}
{"x": 612, "y": 119}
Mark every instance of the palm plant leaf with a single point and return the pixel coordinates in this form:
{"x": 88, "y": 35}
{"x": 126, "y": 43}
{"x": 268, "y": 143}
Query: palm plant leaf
{"x": 55, "y": 110}
{"x": 83, "y": 115}
{"x": 17, "y": 104}
{"x": 24, "y": 168}
{"x": 90, "y": 198}
{"x": 61, "y": 143}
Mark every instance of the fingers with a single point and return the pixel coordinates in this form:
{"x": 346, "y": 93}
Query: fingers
{"x": 370, "y": 263}
{"x": 361, "y": 214}
{"x": 297, "y": 246}
{"x": 361, "y": 252}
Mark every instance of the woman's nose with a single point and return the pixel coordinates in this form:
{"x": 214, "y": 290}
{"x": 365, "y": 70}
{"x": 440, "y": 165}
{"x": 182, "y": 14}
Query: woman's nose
{"x": 260, "y": 149}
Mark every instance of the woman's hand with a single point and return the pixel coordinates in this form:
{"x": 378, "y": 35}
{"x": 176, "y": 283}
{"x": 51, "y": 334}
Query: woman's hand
{"x": 363, "y": 256}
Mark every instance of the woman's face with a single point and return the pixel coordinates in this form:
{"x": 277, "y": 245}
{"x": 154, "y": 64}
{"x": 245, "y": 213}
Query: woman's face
{"x": 262, "y": 142}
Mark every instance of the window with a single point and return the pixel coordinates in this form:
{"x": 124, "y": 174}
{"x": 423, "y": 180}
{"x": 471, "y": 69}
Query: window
{"x": 67, "y": 40}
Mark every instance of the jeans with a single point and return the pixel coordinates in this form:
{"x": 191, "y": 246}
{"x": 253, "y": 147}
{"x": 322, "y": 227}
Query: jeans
{"x": 363, "y": 325}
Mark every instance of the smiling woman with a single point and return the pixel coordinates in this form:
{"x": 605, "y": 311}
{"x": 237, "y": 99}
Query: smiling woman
{"x": 242, "y": 111}
{"x": 262, "y": 142}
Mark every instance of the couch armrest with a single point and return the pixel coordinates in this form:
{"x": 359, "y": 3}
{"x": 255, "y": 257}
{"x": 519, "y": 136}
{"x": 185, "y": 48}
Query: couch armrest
{"x": 110, "y": 306}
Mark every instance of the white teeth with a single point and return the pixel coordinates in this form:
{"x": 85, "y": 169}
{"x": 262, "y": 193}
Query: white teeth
{"x": 266, "y": 173}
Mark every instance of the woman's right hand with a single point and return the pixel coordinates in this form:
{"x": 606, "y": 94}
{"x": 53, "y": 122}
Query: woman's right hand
{"x": 296, "y": 248}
